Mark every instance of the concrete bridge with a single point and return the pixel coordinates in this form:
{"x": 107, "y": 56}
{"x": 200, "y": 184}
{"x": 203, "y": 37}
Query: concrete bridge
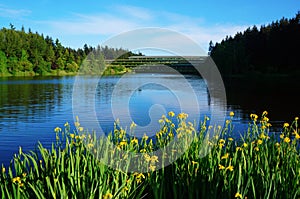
{"x": 182, "y": 64}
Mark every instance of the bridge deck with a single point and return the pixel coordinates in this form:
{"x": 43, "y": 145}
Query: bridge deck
{"x": 184, "y": 64}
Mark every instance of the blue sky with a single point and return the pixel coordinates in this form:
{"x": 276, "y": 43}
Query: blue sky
{"x": 92, "y": 22}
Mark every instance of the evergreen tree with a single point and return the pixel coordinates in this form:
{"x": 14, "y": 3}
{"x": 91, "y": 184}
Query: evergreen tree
{"x": 3, "y": 62}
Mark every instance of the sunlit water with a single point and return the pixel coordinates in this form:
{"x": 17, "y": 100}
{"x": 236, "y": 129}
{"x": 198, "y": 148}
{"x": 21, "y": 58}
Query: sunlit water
{"x": 30, "y": 108}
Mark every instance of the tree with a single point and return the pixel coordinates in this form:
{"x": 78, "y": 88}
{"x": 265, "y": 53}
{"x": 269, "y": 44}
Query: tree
{"x": 24, "y": 64}
{"x": 3, "y": 62}
{"x": 211, "y": 47}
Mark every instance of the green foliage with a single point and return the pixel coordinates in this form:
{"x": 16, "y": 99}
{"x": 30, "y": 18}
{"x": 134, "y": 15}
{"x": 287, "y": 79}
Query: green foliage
{"x": 271, "y": 49}
{"x": 256, "y": 165}
{"x": 3, "y": 62}
{"x": 32, "y": 53}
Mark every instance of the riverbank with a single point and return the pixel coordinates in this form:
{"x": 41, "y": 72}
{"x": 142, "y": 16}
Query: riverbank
{"x": 253, "y": 166}
{"x": 110, "y": 70}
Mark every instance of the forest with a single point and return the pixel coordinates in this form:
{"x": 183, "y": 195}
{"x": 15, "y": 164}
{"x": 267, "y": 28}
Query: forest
{"x": 271, "y": 49}
{"x": 28, "y": 54}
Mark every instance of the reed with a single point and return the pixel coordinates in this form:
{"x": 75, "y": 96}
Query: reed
{"x": 258, "y": 164}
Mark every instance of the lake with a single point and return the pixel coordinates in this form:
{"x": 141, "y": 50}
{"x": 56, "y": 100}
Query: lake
{"x": 31, "y": 107}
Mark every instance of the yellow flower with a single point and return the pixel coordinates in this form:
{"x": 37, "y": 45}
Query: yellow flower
{"x": 125, "y": 189}
{"x": 287, "y": 140}
{"x": 107, "y": 196}
{"x": 238, "y": 148}
{"x": 123, "y": 143}
{"x": 90, "y": 145}
{"x": 281, "y": 136}
{"x": 265, "y": 119}
{"x": 171, "y": 114}
{"x": 161, "y": 121}
{"x": 66, "y": 124}
{"x": 259, "y": 141}
{"x": 277, "y": 144}
{"x": 225, "y": 156}
{"x": 194, "y": 162}
{"x": 139, "y": 177}
{"x": 143, "y": 150}
{"x": 245, "y": 145}
{"x": 77, "y": 124}
{"x": 297, "y": 136}
{"x": 221, "y": 167}
{"x": 182, "y": 115}
{"x": 16, "y": 179}
{"x": 263, "y": 136}
{"x": 256, "y": 149}
{"x": 3, "y": 170}
{"x": 24, "y": 175}
{"x": 167, "y": 120}
{"x": 132, "y": 125}
{"x": 147, "y": 157}
{"x": 221, "y": 145}
{"x": 57, "y": 130}
{"x": 230, "y": 139}
{"x": 253, "y": 117}
{"x": 285, "y": 125}
{"x": 238, "y": 195}
{"x": 154, "y": 159}
{"x": 231, "y": 114}
{"x": 134, "y": 141}
{"x": 221, "y": 141}
{"x": 82, "y": 136}
{"x": 80, "y": 129}
{"x": 265, "y": 113}
{"x": 152, "y": 167}
{"x": 72, "y": 135}
{"x": 159, "y": 134}
{"x": 145, "y": 137}
{"x": 296, "y": 118}
{"x": 230, "y": 168}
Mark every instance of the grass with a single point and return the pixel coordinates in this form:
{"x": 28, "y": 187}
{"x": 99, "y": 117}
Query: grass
{"x": 256, "y": 165}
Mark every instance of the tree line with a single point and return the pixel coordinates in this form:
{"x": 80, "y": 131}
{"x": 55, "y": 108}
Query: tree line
{"x": 270, "y": 49}
{"x": 31, "y": 53}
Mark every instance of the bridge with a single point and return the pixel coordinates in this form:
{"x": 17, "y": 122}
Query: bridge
{"x": 182, "y": 64}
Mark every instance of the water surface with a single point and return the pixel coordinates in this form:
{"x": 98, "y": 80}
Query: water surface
{"x": 31, "y": 107}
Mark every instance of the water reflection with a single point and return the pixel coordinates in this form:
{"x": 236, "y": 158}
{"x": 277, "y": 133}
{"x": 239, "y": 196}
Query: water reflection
{"x": 30, "y": 108}
{"x": 276, "y": 95}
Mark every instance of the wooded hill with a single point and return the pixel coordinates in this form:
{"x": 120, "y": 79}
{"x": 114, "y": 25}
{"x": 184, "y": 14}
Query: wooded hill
{"x": 28, "y": 53}
{"x": 270, "y": 49}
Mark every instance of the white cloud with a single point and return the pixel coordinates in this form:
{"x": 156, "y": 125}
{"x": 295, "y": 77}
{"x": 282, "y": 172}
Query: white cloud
{"x": 103, "y": 24}
{"x": 125, "y": 18}
{"x": 203, "y": 34}
{"x": 135, "y": 12}
{"x": 13, "y": 13}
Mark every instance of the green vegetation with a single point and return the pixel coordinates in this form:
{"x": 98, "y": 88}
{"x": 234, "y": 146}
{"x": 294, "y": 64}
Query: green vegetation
{"x": 28, "y": 54}
{"x": 272, "y": 49}
{"x": 256, "y": 165}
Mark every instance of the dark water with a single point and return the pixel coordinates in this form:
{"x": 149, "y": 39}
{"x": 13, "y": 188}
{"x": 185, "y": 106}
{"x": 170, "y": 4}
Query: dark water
{"x": 30, "y": 108}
